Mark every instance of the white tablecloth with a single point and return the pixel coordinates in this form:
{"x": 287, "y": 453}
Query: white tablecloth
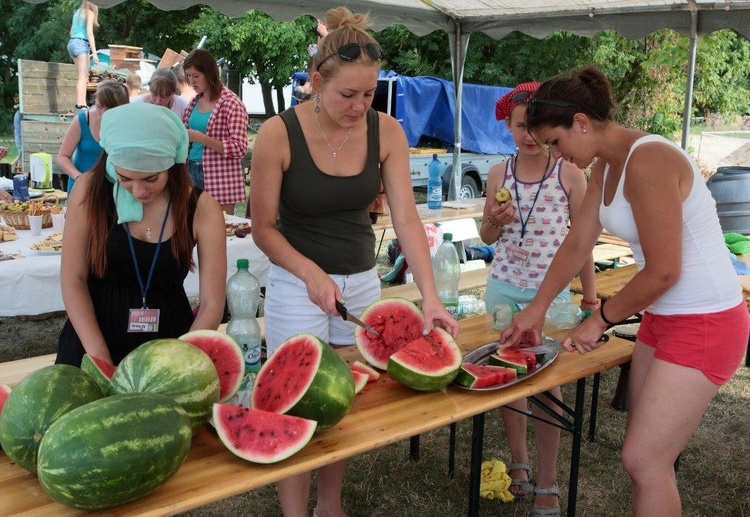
{"x": 31, "y": 285}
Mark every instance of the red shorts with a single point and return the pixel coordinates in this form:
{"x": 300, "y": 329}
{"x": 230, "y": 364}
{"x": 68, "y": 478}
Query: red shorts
{"x": 712, "y": 343}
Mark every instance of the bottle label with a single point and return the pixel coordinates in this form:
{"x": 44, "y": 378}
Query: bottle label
{"x": 452, "y": 308}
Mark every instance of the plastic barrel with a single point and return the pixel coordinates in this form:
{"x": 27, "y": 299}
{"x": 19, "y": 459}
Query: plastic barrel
{"x": 730, "y": 188}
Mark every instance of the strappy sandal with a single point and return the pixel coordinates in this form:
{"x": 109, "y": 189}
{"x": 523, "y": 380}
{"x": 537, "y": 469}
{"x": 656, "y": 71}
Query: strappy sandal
{"x": 553, "y": 511}
{"x": 524, "y": 484}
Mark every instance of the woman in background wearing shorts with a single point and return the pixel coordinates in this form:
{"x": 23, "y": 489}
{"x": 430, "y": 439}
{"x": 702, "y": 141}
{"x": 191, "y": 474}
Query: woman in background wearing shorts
{"x": 82, "y": 45}
{"x": 318, "y": 166}
{"x": 646, "y": 190}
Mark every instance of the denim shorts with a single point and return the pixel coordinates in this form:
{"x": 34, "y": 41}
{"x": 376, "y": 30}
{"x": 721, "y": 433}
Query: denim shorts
{"x": 77, "y": 46}
{"x": 196, "y": 173}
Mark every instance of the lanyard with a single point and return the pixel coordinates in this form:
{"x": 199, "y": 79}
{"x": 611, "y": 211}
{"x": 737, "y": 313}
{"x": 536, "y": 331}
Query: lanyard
{"x": 533, "y": 203}
{"x": 144, "y": 289}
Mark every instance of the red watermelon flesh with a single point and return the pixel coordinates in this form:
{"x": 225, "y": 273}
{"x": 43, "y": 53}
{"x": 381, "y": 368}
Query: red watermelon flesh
{"x": 360, "y": 381}
{"x": 516, "y": 358}
{"x": 226, "y": 355}
{"x": 428, "y": 363}
{"x": 261, "y": 436}
{"x": 359, "y": 366}
{"x": 397, "y": 320}
{"x": 476, "y": 376}
{"x": 4, "y": 392}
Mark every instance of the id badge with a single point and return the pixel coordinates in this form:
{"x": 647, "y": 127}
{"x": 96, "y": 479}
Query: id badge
{"x": 517, "y": 255}
{"x": 143, "y": 320}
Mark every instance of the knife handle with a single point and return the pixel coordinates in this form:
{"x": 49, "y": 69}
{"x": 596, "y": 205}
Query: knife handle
{"x": 342, "y": 310}
{"x": 604, "y": 338}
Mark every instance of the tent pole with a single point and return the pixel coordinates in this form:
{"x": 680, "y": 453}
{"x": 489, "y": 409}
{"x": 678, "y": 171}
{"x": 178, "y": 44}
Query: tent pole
{"x": 458, "y": 45}
{"x": 690, "y": 78}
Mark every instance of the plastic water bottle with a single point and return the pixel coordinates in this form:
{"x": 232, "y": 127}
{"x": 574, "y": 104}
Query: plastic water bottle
{"x": 502, "y": 314}
{"x": 243, "y": 296}
{"x": 563, "y": 315}
{"x": 447, "y": 269}
{"x": 435, "y": 184}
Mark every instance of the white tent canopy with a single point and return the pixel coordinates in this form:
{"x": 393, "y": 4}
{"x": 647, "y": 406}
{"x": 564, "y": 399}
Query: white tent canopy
{"x": 497, "y": 18}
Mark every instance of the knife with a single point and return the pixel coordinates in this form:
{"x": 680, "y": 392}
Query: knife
{"x": 553, "y": 345}
{"x": 347, "y": 316}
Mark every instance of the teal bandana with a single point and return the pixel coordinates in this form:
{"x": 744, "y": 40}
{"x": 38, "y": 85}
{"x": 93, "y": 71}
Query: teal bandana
{"x": 140, "y": 137}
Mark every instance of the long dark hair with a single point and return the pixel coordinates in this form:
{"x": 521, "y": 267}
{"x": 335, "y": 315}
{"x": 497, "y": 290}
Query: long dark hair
{"x": 99, "y": 206}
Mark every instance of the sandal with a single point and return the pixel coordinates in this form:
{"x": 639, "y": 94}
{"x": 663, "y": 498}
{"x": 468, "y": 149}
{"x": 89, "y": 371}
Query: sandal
{"x": 524, "y": 484}
{"x": 553, "y": 511}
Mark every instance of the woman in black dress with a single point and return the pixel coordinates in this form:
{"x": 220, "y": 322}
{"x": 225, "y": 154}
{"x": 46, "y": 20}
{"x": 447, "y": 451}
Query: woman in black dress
{"x": 129, "y": 236}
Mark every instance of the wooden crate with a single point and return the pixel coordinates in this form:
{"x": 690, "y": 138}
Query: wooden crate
{"x": 46, "y": 87}
{"x": 43, "y": 137}
{"x": 170, "y": 58}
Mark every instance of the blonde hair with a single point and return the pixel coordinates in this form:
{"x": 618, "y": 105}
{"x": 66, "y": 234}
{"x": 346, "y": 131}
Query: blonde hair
{"x": 344, "y": 28}
{"x": 134, "y": 83}
{"x": 87, "y": 6}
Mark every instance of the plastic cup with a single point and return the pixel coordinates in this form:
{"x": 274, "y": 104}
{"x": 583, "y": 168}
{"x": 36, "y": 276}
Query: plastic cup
{"x": 58, "y": 222}
{"x": 35, "y": 221}
{"x": 502, "y": 315}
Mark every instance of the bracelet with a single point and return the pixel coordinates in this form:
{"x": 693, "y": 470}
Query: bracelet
{"x": 601, "y": 313}
{"x": 489, "y": 221}
{"x": 589, "y": 302}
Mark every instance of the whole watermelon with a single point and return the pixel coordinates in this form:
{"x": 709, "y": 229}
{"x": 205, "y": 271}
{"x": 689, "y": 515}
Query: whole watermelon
{"x": 305, "y": 377}
{"x": 113, "y": 450}
{"x": 173, "y": 368}
{"x": 36, "y": 402}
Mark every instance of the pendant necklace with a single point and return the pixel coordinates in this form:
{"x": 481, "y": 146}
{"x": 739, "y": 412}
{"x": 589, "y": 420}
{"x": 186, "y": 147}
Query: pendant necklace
{"x": 148, "y": 228}
{"x": 536, "y": 196}
{"x": 334, "y": 151}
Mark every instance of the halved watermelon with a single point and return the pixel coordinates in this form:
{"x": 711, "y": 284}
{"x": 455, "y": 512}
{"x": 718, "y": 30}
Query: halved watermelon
{"x": 477, "y": 376}
{"x": 360, "y": 381}
{"x": 359, "y": 366}
{"x": 428, "y": 363}
{"x": 517, "y": 358}
{"x": 397, "y": 320}
{"x": 261, "y": 436}
{"x": 226, "y": 355}
{"x": 4, "y": 392}
{"x": 99, "y": 370}
{"x": 305, "y": 377}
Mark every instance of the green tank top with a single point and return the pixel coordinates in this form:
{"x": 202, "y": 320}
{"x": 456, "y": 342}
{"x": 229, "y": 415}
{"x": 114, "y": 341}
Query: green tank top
{"x": 325, "y": 217}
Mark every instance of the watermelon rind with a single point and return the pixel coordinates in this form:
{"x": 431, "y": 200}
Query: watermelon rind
{"x": 475, "y": 376}
{"x": 173, "y": 368}
{"x": 397, "y": 320}
{"x": 408, "y": 367}
{"x": 226, "y": 355}
{"x": 305, "y": 377}
{"x": 261, "y": 436}
{"x": 360, "y": 381}
{"x": 113, "y": 450}
{"x": 509, "y": 360}
{"x": 99, "y": 371}
{"x": 36, "y": 402}
{"x": 359, "y": 366}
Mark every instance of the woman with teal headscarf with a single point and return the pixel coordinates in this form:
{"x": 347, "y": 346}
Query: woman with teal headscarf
{"x": 130, "y": 230}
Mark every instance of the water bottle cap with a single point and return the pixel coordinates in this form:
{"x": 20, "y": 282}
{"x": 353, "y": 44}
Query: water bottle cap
{"x": 447, "y": 236}
{"x": 434, "y": 156}
{"x": 243, "y": 263}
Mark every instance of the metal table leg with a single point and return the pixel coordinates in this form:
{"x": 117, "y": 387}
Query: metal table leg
{"x": 594, "y": 407}
{"x": 477, "y": 438}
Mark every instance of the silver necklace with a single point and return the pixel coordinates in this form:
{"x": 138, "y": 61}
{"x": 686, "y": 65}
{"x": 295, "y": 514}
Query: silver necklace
{"x": 148, "y": 228}
{"x": 334, "y": 151}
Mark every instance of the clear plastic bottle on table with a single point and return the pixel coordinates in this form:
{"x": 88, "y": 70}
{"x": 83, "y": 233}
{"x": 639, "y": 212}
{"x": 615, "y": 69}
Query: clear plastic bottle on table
{"x": 435, "y": 184}
{"x": 563, "y": 315}
{"x": 447, "y": 270}
{"x": 243, "y": 296}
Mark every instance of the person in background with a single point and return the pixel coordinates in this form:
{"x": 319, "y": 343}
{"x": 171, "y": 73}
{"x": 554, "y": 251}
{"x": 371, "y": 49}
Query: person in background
{"x": 4, "y": 194}
{"x": 217, "y": 126}
{"x": 133, "y": 83}
{"x": 318, "y": 166}
{"x": 80, "y": 147}
{"x": 162, "y": 90}
{"x": 82, "y": 46}
{"x": 527, "y": 229}
{"x": 694, "y": 332}
{"x": 130, "y": 230}
{"x": 17, "y": 129}
{"x": 184, "y": 89}
{"x": 304, "y": 92}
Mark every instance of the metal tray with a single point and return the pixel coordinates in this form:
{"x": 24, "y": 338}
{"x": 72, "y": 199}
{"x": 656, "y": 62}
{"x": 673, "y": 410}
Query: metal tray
{"x": 482, "y": 354}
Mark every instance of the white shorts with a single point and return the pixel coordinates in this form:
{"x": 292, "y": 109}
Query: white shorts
{"x": 289, "y": 311}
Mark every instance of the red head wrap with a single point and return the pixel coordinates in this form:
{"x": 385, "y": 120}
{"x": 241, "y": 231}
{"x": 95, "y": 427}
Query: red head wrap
{"x": 505, "y": 105}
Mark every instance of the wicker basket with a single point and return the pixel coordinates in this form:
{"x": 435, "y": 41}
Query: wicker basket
{"x": 20, "y": 220}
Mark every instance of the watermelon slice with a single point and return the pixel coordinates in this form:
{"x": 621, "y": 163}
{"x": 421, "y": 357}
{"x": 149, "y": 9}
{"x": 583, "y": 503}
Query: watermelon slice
{"x": 4, "y": 392}
{"x": 428, "y": 363}
{"x": 305, "y": 377}
{"x": 226, "y": 355}
{"x": 476, "y": 376}
{"x": 261, "y": 436}
{"x": 359, "y": 366}
{"x": 398, "y": 321}
{"x": 360, "y": 381}
{"x": 518, "y": 359}
{"x": 100, "y": 370}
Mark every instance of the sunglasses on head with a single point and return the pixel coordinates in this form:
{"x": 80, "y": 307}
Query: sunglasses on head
{"x": 531, "y": 106}
{"x": 350, "y": 52}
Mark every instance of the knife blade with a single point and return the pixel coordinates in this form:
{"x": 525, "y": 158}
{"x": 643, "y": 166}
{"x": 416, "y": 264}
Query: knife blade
{"x": 553, "y": 345}
{"x": 347, "y": 316}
